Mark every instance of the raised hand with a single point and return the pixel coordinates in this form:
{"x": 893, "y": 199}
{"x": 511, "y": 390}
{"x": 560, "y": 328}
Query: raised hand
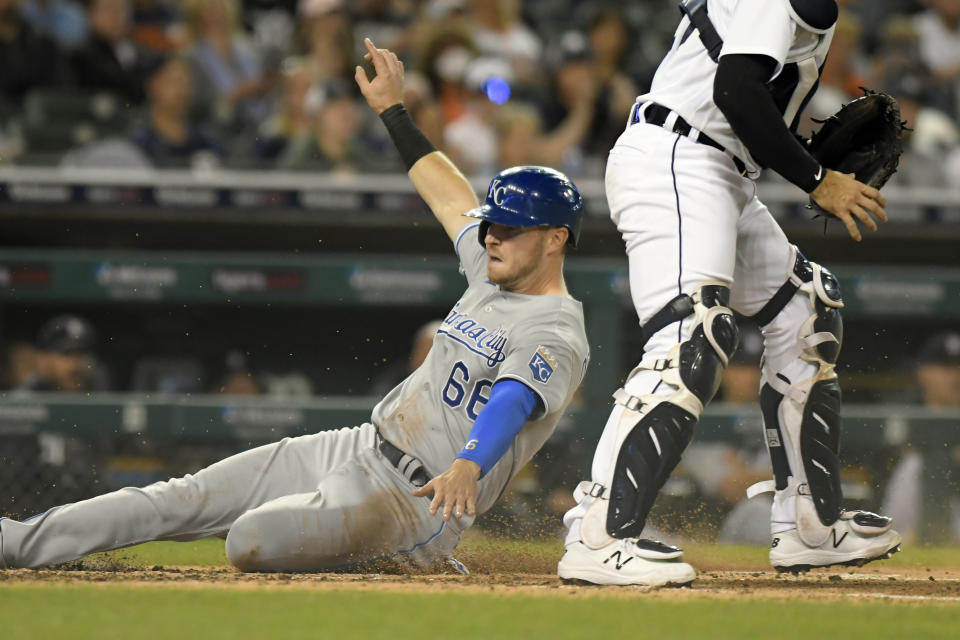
{"x": 386, "y": 89}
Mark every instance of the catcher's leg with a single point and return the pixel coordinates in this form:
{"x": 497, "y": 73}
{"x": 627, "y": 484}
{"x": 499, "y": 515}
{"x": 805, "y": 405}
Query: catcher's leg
{"x": 648, "y": 431}
{"x": 800, "y": 401}
{"x": 676, "y": 204}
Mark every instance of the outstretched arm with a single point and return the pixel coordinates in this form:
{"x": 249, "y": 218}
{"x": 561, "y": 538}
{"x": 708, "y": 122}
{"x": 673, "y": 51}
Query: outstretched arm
{"x": 437, "y": 180}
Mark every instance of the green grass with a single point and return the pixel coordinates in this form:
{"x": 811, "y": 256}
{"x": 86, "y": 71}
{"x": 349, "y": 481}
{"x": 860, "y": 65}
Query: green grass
{"x": 210, "y": 553}
{"x": 117, "y": 611}
{"x": 131, "y": 611}
{"x": 926, "y": 557}
{"x": 738, "y": 556}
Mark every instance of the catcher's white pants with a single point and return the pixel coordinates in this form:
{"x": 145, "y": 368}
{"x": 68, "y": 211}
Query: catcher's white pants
{"x": 315, "y": 502}
{"x": 688, "y": 217}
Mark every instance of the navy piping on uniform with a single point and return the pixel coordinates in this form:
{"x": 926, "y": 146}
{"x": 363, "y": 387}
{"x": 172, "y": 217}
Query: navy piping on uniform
{"x": 676, "y": 193}
{"x": 427, "y": 541}
{"x": 456, "y": 243}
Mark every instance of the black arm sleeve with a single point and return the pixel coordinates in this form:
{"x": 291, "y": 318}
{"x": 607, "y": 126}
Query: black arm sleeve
{"x": 740, "y": 92}
{"x": 406, "y": 135}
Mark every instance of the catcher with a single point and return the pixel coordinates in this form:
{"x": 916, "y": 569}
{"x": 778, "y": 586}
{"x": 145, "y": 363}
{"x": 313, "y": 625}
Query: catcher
{"x": 724, "y": 104}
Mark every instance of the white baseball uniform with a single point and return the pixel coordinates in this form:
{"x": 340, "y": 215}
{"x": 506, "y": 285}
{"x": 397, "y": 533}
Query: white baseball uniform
{"x": 687, "y": 215}
{"x": 332, "y": 499}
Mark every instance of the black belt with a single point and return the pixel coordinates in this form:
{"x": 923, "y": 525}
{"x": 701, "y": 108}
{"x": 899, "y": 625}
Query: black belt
{"x": 657, "y": 114}
{"x": 411, "y": 468}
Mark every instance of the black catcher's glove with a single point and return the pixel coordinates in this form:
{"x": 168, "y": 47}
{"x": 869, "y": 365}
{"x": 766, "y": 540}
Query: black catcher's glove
{"x": 864, "y": 138}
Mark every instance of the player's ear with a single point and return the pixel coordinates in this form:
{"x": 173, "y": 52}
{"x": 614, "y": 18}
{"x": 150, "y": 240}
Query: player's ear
{"x": 557, "y": 239}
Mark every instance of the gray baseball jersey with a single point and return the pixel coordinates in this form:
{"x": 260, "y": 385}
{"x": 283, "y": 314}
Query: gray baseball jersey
{"x": 489, "y": 335}
{"x": 331, "y": 499}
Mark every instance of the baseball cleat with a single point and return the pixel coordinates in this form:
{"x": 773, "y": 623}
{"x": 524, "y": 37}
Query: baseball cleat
{"x": 857, "y": 538}
{"x": 645, "y": 563}
{"x": 455, "y": 566}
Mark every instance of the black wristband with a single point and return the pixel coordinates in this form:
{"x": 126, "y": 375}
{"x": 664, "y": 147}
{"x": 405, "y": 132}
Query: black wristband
{"x": 812, "y": 182}
{"x": 406, "y": 135}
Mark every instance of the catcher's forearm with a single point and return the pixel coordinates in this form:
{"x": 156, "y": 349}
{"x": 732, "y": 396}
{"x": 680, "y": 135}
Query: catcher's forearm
{"x": 740, "y": 92}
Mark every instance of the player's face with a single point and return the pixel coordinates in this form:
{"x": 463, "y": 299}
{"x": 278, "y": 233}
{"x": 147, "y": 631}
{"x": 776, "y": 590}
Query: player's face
{"x": 514, "y": 254}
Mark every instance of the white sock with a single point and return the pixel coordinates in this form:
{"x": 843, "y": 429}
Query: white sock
{"x": 783, "y": 514}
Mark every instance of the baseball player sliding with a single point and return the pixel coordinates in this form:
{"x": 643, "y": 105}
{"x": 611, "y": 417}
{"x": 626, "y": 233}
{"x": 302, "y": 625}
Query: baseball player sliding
{"x": 724, "y": 103}
{"x": 439, "y": 448}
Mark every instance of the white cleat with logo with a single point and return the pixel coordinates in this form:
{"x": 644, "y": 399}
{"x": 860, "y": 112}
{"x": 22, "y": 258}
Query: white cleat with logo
{"x": 857, "y": 538}
{"x": 626, "y": 562}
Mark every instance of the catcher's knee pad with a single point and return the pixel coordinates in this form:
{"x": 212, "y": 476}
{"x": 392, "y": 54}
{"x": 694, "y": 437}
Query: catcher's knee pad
{"x": 817, "y": 283}
{"x": 700, "y": 360}
{"x": 653, "y": 430}
{"x": 820, "y": 336}
{"x": 802, "y": 417}
{"x": 695, "y": 367}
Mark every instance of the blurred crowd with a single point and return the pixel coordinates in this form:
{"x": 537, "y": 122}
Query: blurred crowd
{"x": 269, "y": 83}
{"x": 66, "y": 355}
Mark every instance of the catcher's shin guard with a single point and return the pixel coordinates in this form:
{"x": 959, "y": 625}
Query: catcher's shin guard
{"x": 653, "y": 430}
{"x": 802, "y": 417}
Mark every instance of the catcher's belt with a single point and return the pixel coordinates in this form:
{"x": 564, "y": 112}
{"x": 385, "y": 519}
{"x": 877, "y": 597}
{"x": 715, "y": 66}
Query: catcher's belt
{"x": 659, "y": 115}
{"x": 411, "y": 468}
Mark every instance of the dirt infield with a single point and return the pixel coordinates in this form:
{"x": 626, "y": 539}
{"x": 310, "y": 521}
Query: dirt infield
{"x": 535, "y": 577}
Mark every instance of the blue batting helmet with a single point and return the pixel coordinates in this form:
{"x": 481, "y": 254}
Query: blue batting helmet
{"x": 530, "y": 196}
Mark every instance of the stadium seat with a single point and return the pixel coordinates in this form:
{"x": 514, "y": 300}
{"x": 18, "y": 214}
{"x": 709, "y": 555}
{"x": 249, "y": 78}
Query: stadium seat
{"x": 58, "y": 119}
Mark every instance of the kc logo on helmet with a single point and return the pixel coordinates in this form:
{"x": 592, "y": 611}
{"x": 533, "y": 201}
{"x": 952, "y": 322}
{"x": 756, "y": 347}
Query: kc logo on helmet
{"x": 497, "y": 192}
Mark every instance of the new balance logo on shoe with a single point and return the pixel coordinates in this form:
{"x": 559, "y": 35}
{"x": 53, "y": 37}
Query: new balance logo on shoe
{"x": 625, "y": 562}
{"x": 619, "y": 565}
{"x": 841, "y": 546}
{"x": 833, "y": 533}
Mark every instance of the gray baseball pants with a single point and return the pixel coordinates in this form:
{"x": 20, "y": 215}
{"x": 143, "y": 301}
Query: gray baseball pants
{"x": 311, "y": 503}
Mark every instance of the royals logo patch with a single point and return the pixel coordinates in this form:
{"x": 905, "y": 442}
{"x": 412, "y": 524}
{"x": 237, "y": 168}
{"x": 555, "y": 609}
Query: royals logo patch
{"x": 542, "y": 365}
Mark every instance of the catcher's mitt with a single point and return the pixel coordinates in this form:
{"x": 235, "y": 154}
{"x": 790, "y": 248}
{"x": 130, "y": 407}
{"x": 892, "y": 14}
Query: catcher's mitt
{"x": 864, "y": 138}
